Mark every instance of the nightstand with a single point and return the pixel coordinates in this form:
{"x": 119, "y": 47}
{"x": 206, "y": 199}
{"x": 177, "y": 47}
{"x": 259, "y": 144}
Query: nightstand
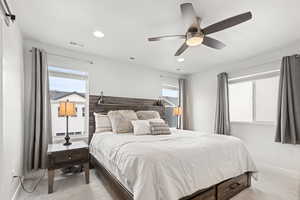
{"x": 60, "y": 156}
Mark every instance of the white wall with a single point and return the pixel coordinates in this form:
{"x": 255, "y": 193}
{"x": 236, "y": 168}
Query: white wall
{"x": 115, "y": 78}
{"x": 202, "y": 88}
{"x": 125, "y": 79}
{"x": 12, "y": 108}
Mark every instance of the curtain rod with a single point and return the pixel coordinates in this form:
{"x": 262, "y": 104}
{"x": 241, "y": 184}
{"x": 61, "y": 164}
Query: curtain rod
{"x": 251, "y": 76}
{"x": 68, "y": 57}
{"x": 268, "y": 62}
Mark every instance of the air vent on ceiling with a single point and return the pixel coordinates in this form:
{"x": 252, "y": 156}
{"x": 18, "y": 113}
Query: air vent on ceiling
{"x": 76, "y": 44}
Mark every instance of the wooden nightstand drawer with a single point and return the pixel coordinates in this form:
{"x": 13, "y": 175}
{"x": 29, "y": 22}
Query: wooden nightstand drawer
{"x": 60, "y": 156}
{"x": 70, "y": 156}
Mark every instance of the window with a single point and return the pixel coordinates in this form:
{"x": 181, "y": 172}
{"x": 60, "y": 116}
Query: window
{"x": 266, "y": 99}
{"x": 254, "y": 100}
{"x": 76, "y": 110}
{"x": 83, "y": 111}
{"x": 240, "y": 98}
{"x": 58, "y": 111}
{"x": 60, "y": 134}
{"x": 170, "y": 94}
{"x": 69, "y": 85}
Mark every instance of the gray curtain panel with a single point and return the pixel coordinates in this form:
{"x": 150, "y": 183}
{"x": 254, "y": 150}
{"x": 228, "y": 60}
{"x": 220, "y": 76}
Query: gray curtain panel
{"x": 182, "y": 120}
{"x": 38, "y": 132}
{"x": 222, "y": 121}
{"x": 288, "y": 117}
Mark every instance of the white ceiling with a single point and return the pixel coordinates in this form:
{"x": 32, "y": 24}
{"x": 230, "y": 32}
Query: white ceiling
{"x": 127, "y": 24}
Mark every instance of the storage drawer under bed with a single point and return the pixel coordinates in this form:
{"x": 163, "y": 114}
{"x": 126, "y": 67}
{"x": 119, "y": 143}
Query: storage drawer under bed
{"x": 233, "y": 186}
{"x": 207, "y": 195}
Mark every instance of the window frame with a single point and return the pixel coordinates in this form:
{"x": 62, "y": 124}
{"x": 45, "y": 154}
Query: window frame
{"x": 83, "y": 111}
{"x": 253, "y": 78}
{"x": 170, "y": 87}
{"x": 86, "y": 105}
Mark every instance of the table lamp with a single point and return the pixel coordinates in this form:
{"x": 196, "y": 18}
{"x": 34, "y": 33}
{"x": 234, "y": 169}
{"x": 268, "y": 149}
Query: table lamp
{"x": 67, "y": 109}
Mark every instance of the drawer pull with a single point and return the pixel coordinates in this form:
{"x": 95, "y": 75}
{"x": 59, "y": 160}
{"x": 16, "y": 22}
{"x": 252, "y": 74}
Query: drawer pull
{"x": 234, "y": 185}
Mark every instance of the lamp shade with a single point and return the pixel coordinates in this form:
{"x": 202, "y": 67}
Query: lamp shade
{"x": 67, "y": 108}
{"x": 177, "y": 111}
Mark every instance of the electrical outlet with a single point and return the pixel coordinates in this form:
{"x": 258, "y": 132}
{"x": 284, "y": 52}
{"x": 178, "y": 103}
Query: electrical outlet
{"x": 14, "y": 173}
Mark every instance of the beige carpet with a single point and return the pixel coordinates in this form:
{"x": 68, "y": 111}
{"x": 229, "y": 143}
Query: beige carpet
{"x": 272, "y": 185}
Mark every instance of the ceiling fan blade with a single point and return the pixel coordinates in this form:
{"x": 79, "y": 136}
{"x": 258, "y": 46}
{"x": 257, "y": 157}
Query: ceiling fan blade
{"x": 167, "y": 37}
{"x": 189, "y": 15}
{"x": 213, "y": 43}
{"x": 227, "y": 23}
{"x": 181, "y": 49}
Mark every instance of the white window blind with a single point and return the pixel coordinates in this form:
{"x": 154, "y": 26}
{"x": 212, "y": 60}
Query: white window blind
{"x": 254, "y": 98}
{"x": 266, "y": 99}
{"x": 241, "y": 100}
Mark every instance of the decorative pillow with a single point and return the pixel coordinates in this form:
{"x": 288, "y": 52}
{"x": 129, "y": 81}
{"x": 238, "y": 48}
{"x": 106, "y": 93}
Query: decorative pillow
{"x": 157, "y": 120}
{"x": 158, "y": 128}
{"x": 147, "y": 114}
{"x": 121, "y": 120}
{"x": 102, "y": 123}
{"x": 141, "y": 127}
{"x": 129, "y": 114}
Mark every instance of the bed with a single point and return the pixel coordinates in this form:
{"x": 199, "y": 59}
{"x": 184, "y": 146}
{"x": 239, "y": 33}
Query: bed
{"x": 183, "y": 165}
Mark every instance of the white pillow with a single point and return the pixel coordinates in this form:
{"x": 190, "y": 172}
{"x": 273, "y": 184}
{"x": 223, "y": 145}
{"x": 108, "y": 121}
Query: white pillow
{"x": 156, "y": 120}
{"x": 102, "y": 123}
{"x": 141, "y": 127}
{"x": 120, "y": 120}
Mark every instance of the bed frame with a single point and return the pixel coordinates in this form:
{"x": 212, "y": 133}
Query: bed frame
{"x": 221, "y": 191}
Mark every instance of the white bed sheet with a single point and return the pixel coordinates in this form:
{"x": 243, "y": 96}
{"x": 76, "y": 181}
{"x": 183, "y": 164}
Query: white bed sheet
{"x": 169, "y": 167}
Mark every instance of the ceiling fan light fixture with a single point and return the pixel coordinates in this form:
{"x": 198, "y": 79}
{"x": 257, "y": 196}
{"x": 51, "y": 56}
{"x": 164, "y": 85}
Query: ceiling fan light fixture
{"x": 194, "y": 39}
{"x": 180, "y": 59}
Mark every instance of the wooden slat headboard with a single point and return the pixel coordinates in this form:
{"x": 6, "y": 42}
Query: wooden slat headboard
{"x": 119, "y": 103}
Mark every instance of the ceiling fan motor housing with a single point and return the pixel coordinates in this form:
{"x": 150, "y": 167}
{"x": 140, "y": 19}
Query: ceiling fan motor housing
{"x": 194, "y": 38}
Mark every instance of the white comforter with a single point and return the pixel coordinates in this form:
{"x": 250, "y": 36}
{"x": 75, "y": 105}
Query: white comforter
{"x": 169, "y": 167}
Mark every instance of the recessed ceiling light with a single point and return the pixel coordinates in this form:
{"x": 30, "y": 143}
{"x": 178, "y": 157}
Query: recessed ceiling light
{"x": 98, "y": 34}
{"x": 180, "y": 59}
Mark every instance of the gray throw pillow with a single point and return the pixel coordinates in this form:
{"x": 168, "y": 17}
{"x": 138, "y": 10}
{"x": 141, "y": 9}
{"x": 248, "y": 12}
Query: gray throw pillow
{"x": 159, "y": 128}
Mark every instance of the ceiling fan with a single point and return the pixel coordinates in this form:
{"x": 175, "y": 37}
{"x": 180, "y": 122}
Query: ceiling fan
{"x": 195, "y": 35}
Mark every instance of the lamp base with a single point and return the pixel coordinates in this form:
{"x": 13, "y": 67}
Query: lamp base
{"x": 67, "y": 138}
{"x": 67, "y": 143}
